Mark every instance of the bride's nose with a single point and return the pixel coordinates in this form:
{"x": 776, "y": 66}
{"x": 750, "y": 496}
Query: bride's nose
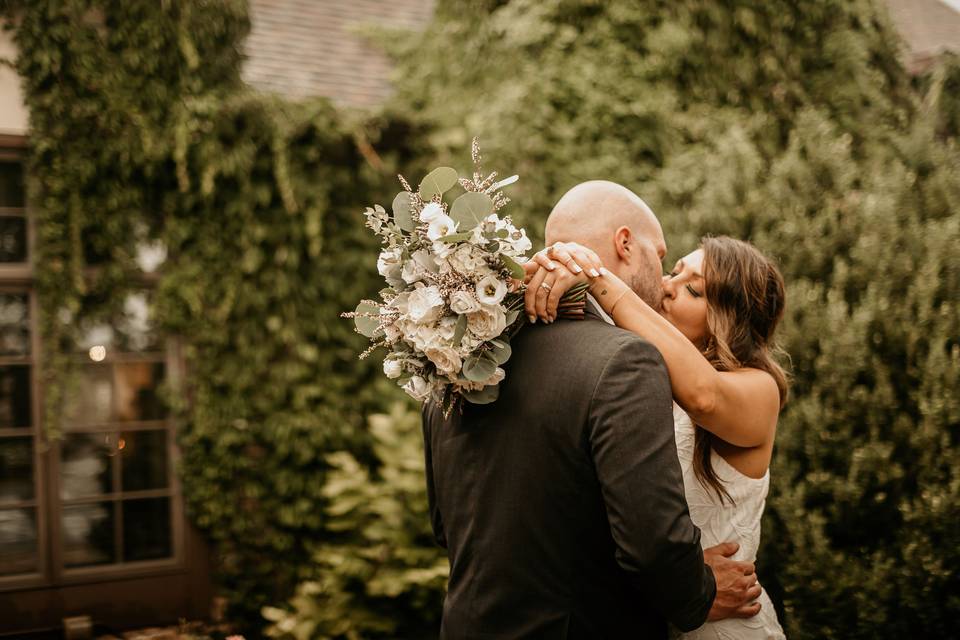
{"x": 668, "y": 289}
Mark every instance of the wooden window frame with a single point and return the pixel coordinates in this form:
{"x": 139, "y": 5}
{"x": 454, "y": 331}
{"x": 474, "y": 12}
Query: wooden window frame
{"x": 51, "y": 572}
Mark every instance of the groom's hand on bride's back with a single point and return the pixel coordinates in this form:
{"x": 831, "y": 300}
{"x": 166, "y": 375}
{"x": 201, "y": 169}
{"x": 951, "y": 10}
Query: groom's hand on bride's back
{"x": 737, "y": 586}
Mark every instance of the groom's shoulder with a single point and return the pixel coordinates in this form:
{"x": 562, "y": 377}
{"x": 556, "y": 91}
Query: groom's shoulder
{"x": 599, "y": 342}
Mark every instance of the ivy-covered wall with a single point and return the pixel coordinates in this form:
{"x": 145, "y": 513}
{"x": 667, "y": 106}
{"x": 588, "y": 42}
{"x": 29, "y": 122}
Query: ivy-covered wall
{"x": 141, "y": 131}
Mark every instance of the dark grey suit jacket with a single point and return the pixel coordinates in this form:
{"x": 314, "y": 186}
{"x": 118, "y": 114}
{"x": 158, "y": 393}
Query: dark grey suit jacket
{"x": 561, "y": 504}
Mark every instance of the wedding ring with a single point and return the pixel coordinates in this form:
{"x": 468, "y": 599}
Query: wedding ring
{"x": 546, "y": 286}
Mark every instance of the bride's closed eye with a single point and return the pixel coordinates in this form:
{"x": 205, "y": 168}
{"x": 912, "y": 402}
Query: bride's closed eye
{"x": 693, "y": 292}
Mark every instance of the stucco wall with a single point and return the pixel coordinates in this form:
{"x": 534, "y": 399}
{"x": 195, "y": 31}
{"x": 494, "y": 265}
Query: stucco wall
{"x": 13, "y": 115}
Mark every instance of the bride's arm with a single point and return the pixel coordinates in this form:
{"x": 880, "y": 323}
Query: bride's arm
{"x": 740, "y": 407}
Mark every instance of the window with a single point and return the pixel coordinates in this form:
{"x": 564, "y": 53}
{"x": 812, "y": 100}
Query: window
{"x": 104, "y": 499}
{"x": 22, "y": 529}
{"x": 117, "y": 488}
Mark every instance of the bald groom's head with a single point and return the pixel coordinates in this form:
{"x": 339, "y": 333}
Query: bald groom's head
{"x": 619, "y": 227}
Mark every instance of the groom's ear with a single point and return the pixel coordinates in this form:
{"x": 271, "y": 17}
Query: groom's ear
{"x": 623, "y": 244}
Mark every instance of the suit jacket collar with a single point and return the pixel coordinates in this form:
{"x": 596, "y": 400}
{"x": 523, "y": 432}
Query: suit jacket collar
{"x": 593, "y": 311}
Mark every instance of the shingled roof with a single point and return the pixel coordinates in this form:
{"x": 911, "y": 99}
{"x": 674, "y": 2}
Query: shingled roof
{"x": 928, "y": 28}
{"x": 302, "y": 48}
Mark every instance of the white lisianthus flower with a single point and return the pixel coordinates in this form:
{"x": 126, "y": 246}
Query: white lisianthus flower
{"x": 496, "y": 378}
{"x": 392, "y": 368}
{"x": 491, "y": 290}
{"x": 431, "y": 212}
{"x": 446, "y": 328}
{"x": 463, "y": 302}
{"x": 388, "y": 260}
{"x": 446, "y": 359}
{"x": 423, "y": 258}
{"x": 425, "y": 304}
{"x": 401, "y": 302}
{"x": 442, "y": 225}
{"x": 417, "y": 388}
{"x": 412, "y": 272}
{"x": 519, "y": 242}
{"x": 487, "y": 323}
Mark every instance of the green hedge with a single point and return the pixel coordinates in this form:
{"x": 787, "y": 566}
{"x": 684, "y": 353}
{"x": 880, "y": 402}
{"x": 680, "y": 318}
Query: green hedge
{"x": 795, "y": 126}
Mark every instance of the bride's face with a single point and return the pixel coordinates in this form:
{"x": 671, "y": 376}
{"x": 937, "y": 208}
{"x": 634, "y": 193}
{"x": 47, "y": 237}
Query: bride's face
{"x": 684, "y": 302}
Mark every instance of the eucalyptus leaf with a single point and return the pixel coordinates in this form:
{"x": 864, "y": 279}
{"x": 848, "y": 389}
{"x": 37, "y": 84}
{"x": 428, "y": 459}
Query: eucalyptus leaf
{"x": 516, "y": 269}
{"x": 512, "y": 317}
{"x": 501, "y": 350}
{"x": 470, "y": 209}
{"x": 456, "y": 237}
{"x": 478, "y": 368}
{"x": 483, "y": 396}
{"x": 367, "y": 326}
{"x": 401, "y": 211}
{"x": 460, "y": 330}
{"x": 437, "y": 182}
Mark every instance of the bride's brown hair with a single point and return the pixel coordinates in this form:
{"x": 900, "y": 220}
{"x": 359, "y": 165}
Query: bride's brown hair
{"x": 745, "y": 301}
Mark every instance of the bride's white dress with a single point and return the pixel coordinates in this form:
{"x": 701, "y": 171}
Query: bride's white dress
{"x": 738, "y": 522}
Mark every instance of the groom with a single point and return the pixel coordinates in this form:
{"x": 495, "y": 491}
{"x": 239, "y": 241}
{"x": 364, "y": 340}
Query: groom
{"x": 561, "y": 504}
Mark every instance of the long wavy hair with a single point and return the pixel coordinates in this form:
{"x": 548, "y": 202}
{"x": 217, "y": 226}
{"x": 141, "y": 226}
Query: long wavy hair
{"x": 745, "y": 301}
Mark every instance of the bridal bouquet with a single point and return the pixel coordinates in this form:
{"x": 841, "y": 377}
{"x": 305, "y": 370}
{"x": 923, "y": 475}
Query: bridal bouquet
{"x": 454, "y": 294}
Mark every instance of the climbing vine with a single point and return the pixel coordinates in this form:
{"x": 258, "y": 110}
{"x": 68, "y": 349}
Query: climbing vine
{"x": 141, "y": 132}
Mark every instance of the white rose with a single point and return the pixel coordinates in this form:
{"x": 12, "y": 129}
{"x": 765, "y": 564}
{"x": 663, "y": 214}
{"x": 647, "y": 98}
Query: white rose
{"x": 466, "y": 259}
{"x": 392, "y": 368}
{"x": 463, "y": 302}
{"x": 431, "y": 212}
{"x": 420, "y": 336}
{"x": 489, "y": 322}
{"x": 417, "y": 388}
{"x": 441, "y": 226}
{"x": 388, "y": 260}
{"x": 446, "y": 359}
{"x": 425, "y": 304}
{"x": 491, "y": 290}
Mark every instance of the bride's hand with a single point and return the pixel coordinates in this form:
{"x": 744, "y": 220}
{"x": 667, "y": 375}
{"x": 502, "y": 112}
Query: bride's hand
{"x": 551, "y": 273}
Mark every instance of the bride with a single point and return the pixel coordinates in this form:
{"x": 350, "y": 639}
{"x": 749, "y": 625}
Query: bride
{"x": 721, "y": 306}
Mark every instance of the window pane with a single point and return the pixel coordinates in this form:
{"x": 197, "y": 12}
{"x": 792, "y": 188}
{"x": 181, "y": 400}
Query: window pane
{"x": 18, "y": 541}
{"x": 88, "y": 534}
{"x": 91, "y": 399}
{"x": 13, "y": 239}
{"x": 130, "y": 332}
{"x": 16, "y": 469}
{"x": 117, "y": 392}
{"x": 85, "y": 464}
{"x": 14, "y": 396}
{"x": 11, "y": 184}
{"x": 143, "y": 460}
{"x": 146, "y": 529}
{"x": 14, "y": 324}
{"x": 136, "y": 391}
